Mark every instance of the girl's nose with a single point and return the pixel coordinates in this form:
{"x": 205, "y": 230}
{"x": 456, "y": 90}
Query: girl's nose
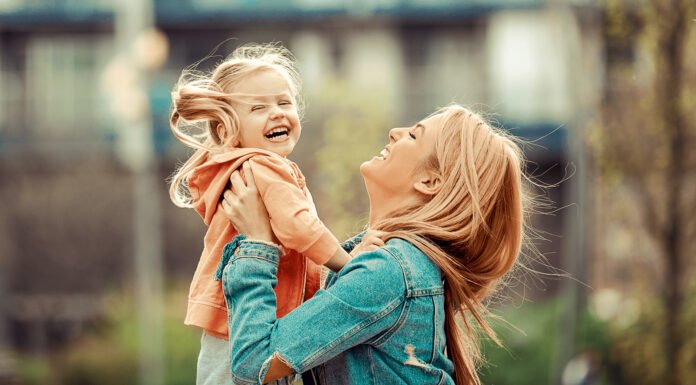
{"x": 277, "y": 112}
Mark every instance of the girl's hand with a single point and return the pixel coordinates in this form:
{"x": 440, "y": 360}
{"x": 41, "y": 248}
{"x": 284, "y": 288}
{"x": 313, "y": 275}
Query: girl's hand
{"x": 243, "y": 206}
{"x": 372, "y": 240}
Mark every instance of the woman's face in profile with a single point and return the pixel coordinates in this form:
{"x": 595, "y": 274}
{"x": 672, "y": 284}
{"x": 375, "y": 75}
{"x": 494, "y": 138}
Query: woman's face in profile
{"x": 395, "y": 169}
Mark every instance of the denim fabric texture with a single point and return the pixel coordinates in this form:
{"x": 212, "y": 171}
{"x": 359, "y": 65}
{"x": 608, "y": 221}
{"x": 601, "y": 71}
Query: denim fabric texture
{"x": 350, "y": 244}
{"x": 380, "y": 320}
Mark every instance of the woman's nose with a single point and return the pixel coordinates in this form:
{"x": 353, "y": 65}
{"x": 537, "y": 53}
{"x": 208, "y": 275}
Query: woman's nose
{"x": 396, "y": 134}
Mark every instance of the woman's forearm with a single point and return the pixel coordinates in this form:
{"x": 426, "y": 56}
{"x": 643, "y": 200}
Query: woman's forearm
{"x": 248, "y": 283}
{"x": 338, "y": 260}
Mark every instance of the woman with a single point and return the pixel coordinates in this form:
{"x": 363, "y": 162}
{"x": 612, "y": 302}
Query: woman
{"x": 446, "y": 195}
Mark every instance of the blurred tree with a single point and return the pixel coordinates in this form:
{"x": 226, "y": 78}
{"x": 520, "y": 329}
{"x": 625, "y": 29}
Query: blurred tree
{"x": 355, "y": 124}
{"x": 641, "y": 146}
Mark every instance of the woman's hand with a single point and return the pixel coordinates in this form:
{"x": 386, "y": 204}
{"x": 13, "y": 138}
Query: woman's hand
{"x": 372, "y": 240}
{"x": 243, "y": 206}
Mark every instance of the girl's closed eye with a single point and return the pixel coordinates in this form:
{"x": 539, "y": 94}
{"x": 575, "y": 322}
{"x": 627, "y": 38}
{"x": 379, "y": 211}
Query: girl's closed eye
{"x": 412, "y": 135}
{"x": 285, "y": 103}
{"x": 257, "y": 107}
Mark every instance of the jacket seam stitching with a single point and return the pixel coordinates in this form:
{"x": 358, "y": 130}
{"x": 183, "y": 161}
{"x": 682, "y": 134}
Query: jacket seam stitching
{"x": 404, "y": 269}
{"x": 400, "y": 322}
{"x": 350, "y": 333}
{"x": 442, "y": 378}
{"x": 239, "y": 256}
{"x": 372, "y": 365}
{"x": 435, "y": 339}
{"x": 428, "y": 294}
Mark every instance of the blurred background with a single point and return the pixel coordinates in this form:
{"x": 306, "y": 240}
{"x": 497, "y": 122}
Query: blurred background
{"x": 95, "y": 261}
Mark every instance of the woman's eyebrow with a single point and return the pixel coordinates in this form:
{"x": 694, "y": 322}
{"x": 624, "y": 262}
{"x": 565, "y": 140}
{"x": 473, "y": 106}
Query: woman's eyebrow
{"x": 419, "y": 127}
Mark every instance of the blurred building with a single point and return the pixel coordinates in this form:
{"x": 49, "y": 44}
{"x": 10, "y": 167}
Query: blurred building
{"x": 65, "y": 237}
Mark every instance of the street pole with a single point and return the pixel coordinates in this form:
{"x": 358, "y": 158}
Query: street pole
{"x": 574, "y": 253}
{"x": 134, "y": 18}
{"x": 7, "y": 366}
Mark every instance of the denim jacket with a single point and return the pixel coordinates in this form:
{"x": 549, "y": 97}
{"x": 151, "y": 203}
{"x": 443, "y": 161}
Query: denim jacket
{"x": 380, "y": 319}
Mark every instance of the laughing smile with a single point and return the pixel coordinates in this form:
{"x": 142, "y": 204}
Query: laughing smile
{"x": 278, "y": 134}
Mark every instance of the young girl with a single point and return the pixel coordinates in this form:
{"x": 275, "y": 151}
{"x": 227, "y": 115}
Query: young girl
{"x": 246, "y": 110}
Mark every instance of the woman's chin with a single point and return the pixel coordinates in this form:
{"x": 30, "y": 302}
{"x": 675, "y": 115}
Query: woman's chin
{"x": 367, "y": 168}
{"x": 364, "y": 166}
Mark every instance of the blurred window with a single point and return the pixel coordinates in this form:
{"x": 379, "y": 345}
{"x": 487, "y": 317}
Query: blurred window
{"x": 528, "y": 64}
{"x": 90, "y": 5}
{"x": 63, "y": 77}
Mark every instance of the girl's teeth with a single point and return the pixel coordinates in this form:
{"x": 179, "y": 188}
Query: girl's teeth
{"x": 277, "y": 135}
{"x": 278, "y": 138}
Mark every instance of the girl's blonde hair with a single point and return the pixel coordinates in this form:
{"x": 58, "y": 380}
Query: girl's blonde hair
{"x": 472, "y": 228}
{"x": 203, "y": 116}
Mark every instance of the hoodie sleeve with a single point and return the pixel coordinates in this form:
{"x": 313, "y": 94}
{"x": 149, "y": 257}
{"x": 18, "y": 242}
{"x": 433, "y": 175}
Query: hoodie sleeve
{"x": 292, "y": 213}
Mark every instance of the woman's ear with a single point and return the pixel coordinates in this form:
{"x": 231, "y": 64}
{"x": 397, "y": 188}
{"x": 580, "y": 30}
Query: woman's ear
{"x": 428, "y": 184}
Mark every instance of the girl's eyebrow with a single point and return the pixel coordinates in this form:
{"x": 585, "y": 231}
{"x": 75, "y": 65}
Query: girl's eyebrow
{"x": 419, "y": 127}
{"x": 259, "y": 97}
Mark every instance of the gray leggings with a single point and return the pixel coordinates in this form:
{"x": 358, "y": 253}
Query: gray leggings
{"x": 214, "y": 363}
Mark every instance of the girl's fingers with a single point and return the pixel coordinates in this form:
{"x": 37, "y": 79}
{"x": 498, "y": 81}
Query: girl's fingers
{"x": 375, "y": 233}
{"x": 377, "y": 241}
{"x": 373, "y": 241}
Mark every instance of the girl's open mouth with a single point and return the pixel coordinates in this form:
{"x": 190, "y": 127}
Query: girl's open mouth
{"x": 278, "y": 134}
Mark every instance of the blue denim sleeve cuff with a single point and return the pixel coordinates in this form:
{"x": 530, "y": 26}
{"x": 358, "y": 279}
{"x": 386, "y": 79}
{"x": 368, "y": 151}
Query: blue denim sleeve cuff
{"x": 350, "y": 244}
{"x": 227, "y": 253}
{"x": 258, "y": 249}
{"x": 250, "y": 248}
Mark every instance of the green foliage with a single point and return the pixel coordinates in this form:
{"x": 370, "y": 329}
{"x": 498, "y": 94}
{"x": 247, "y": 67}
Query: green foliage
{"x": 527, "y": 353}
{"x": 635, "y": 354}
{"x": 622, "y": 352}
{"x": 354, "y": 129}
{"x": 530, "y": 337}
{"x": 109, "y": 353}
{"x": 32, "y": 370}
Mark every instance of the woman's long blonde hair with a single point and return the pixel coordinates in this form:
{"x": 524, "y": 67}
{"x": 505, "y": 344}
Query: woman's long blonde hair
{"x": 472, "y": 228}
{"x": 203, "y": 116}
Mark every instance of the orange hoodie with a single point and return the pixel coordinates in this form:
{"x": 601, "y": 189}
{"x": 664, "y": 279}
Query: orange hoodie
{"x": 293, "y": 220}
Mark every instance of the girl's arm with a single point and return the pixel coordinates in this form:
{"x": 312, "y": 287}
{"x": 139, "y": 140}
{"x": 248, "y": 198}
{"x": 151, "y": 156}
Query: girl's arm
{"x": 293, "y": 217}
{"x": 258, "y": 220}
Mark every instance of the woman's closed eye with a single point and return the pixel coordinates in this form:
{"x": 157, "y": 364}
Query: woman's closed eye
{"x": 412, "y": 135}
{"x": 257, "y": 107}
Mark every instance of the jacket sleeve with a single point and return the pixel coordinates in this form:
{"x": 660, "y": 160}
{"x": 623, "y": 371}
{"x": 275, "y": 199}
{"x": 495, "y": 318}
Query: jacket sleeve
{"x": 364, "y": 301}
{"x": 293, "y": 217}
{"x": 349, "y": 244}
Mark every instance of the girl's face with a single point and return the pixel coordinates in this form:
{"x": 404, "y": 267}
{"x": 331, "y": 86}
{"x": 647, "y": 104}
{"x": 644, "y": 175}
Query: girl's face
{"x": 268, "y": 115}
{"x": 397, "y": 168}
